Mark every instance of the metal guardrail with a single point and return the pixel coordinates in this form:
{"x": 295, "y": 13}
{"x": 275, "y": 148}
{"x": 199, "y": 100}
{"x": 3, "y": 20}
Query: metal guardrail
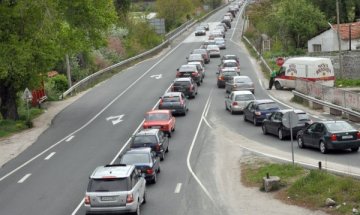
{"x": 258, "y": 54}
{"x": 169, "y": 37}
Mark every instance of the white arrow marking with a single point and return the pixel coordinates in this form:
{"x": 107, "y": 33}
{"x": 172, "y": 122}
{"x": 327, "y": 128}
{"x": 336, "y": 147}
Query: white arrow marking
{"x": 115, "y": 119}
{"x": 24, "y": 178}
{"x": 156, "y": 76}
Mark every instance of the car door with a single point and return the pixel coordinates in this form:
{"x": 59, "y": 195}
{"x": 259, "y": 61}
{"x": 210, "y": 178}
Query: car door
{"x": 307, "y": 135}
{"x": 156, "y": 161}
{"x": 248, "y": 109}
{"x": 229, "y": 84}
{"x": 317, "y": 134}
{"x": 270, "y": 124}
{"x": 163, "y": 140}
{"x": 184, "y": 100}
{"x": 228, "y": 99}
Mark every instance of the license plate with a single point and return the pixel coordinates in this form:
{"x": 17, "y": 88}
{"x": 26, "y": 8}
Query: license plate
{"x": 186, "y": 74}
{"x": 347, "y": 137}
{"x": 107, "y": 198}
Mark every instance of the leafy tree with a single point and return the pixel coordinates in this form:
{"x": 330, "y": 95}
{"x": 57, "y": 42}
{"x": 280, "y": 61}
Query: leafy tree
{"x": 174, "y": 11}
{"x": 122, "y": 8}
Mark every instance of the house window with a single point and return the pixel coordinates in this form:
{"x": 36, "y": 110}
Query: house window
{"x": 317, "y": 47}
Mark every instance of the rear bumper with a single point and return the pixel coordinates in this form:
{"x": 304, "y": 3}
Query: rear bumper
{"x": 343, "y": 144}
{"x": 111, "y": 210}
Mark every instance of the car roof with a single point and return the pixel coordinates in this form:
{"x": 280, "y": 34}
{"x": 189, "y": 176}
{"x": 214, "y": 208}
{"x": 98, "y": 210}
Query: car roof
{"x": 332, "y": 121}
{"x": 230, "y": 55}
{"x": 148, "y": 131}
{"x": 141, "y": 150}
{"x": 243, "y": 92}
{"x": 195, "y": 63}
{"x": 213, "y": 46}
{"x": 242, "y": 77}
{"x": 182, "y": 79}
{"x": 264, "y": 101}
{"x": 158, "y": 111}
{"x": 172, "y": 94}
{"x": 229, "y": 61}
{"x": 197, "y": 55}
{"x": 229, "y": 69}
{"x": 188, "y": 65}
{"x": 289, "y": 110}
{"x": 112, "y": 171}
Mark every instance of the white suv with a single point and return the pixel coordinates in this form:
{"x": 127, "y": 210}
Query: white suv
{"x": 115, "y": 188}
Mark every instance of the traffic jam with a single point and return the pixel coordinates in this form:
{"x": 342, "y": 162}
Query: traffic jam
{"x": 121, "y": 187}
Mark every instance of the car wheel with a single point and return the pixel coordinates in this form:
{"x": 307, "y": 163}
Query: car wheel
{"x": 198, "y": 83}
{"x": 144, "y": 198}
{"x": 264, "y": 129}
{"x": 244, "y": 118}
{"x": 300, "y": 142}
{"x": 154, "y": 179}
{"x": 159, "y": 169}
{"x": 162, "y": 156}
{"x": 231, "y": 111}
{"x": 137, "y": 212}
{"x": 280, "y": 134}
{"x": 322, "y": 147}
{"x": 167, "y": 149}
{"x": 254, "y": 121}
{"x": 355, "y": 149}
{"x": 278, "y": 85}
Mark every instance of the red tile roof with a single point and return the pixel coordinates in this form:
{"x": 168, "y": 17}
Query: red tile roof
{"x": 344, "y": 30}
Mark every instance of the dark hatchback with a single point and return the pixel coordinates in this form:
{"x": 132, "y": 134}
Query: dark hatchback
{"x": 186, "y": 86}
{"x": 329, "y": 135}
{"x": 273, "y": 124}
{"x": 190, "y": 71}
{"x": 225, "y": 75}
{"x": 145, "y": 160}
{"x": 257, "y": 110}
{"x": 175, "y": 102}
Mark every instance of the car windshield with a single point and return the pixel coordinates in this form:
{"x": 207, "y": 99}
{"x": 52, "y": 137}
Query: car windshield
{"x": 143, "y": 139}
{"x": 156, "y": 116}
{"x": 244, "y": 97}
{"x": 171, "y": 99}
{"x": 108, "y": 185}
{"x": 230, "y": 57}
{"x": 230, "y": 73}
{"x": 195, "y": 57}
{"x": 213, "y": 47}
{"x": 268, "y": 106}
{"x": 132, "y": 159}
{"x": 187, "y": 68}
{"x": 338, "y": 126}
{"x": 230, "y": 64}
{"x": 303, "y": 117}
{"x": 181, "y": 83}
{"x": 242, "y": 80}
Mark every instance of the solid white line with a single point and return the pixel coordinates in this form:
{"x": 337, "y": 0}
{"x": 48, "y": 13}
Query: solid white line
{"x": 237, "y": 20}
{"x": 50, "y": 155}
{"x": 206, "y": 122}
{"x": 208, "y": 107}
{"x": 24, "y": 178}
{"x": 192, "y": 147}
{"x": 178, "y": 188}
{"x": 69, "y": 139}
{"x": 121, "y": 150}
{"x": 92, "y": 119}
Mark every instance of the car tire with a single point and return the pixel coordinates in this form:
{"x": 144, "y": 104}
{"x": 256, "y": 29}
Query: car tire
{"x": 159, "y": 170}
{"x": 154, "y": 179}
{"x": 138, "y": 210}
{"x": 226, "y": 108}
{"x": 144, "y": 198}
{"x": 278, "y": 85}
{"x": 162, "y": 156}
{"x": 198, "y": 83}
{"x": 355, "y": 149}
{"x": 280, "y": 134}
{"x": 167, "y": 149}
{"x": 300, "y": 142}
{"x": 254, "y": 121}
{"x": 264, "y": 129}
{"x": 322, "y": 147}
{"x": 244, "y": 118}
{"x": 231, "y": 111}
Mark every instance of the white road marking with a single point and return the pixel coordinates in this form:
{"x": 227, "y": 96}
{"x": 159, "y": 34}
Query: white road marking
{"x": 158, "y": 76}
{"x": 24, "y": 178}
{"x": 208, "y": 107}
{"x": 50, "y": 155}
{"x": 207, "y": 123}
{"x": 70, "y": 138}
{"x": 191, "y": 149}
{"x": 115, "y": 119}
{"x": 178, "y": 188}
{"x": 92, "y": 119}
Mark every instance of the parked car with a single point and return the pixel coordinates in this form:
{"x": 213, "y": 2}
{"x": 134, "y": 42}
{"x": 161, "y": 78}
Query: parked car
{"x": 186, "y": 86}
{"x": 214, "y": 50}
{"x": 230, "y": 57}
{"x": 225, "y": 75}
{"x": 229, "y": 64}
{"x": 152, "y": 138}
{"x": 196, "y": 58}
{"x": 238, "y": 83}
{"x": 200, "y": 67}
{"x": 145, "y": 160}
{"x": 115, "y": 189}
{"x": 204, "y": 54}
{"x": 161, "y": 119}
{"x": 205, "y": 25}
{"x": 220, "y": 42}
{"x": 329, "y": 135}
{"x": 200, "y": 31}
{"x": 175, "y": 102}
{"x": 189, "y": 71}
{"x": 257, "y": 110}
{"x": 273, "y": 124}
{"x": 237, "y": 101}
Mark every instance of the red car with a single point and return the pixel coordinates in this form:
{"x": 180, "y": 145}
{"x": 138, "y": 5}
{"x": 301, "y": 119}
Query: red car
{"x": 161, "y": 119}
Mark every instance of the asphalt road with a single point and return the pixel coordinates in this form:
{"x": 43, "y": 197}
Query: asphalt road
{"x": 51, "y": 176}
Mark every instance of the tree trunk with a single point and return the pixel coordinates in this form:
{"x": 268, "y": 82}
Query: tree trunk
{"x": 8, "y": 106}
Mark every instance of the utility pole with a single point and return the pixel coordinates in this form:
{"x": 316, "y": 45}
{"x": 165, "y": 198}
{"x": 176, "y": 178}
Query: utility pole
{"x": 349, "y": 37}
{"x": 68, "y": 70}
{"x": 338, "y": 33}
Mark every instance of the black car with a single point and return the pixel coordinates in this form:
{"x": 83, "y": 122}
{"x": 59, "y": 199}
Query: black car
{"x": 257, "y": 110}
{"x": 227, "y": 22}
{"x": 145, "y": 160}
{"x": 190, "y": 71}
{"x": 186, "y": 86}
{"x": 152, "y": 138}
{"x": 225, "y": 75}
{"x": 273, "y": 124}
{"x": 327, "y": 135}
{"x": 175, "y": 102}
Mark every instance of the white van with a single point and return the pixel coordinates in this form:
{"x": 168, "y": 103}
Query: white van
{"x": 306, "y": 68}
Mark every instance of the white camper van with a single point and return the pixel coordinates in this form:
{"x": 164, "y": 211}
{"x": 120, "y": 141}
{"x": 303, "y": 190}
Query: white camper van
{"x": 306, "y": 68}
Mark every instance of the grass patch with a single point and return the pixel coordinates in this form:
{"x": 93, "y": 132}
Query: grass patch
{"x": 299, "y": 100}
{"x": 308, "y": 188}
{"x": 347, "y": 82}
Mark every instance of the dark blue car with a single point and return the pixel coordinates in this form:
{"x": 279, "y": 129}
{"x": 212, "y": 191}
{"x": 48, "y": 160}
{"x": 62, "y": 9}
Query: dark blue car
{"x": 257, "y": 110}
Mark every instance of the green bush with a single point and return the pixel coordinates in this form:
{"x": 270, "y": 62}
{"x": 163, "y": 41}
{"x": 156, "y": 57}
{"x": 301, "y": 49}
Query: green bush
{"x": 55, "y": 86}
{"x": 347, "y": 82}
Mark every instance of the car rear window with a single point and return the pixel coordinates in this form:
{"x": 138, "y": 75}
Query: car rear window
{"x": 108, "y": 185}
{"x": 244, "y": 97}
{"x": 243, "y": 80}
{"x": 339, "y": 126}
{"x": 187, "y": 68}
{"x": 181, "y": 83}
{"x": 268, "y": 106}
{"x": 132, "y": 158}
{"x": 171, "y": 99}
{"x": 230, "y": 73}
{"x": 230, "y": 64}
{"x": 144, "y": 139}
{"x": 199, "y": 51}
{"x": 156, "y": 116}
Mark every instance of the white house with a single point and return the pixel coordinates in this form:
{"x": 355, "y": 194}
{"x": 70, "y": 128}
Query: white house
{"x": 328, "y": 40}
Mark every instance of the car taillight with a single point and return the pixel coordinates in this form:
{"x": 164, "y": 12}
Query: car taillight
{"x": 221, "y": 78}
{"x": 257, "y": 113}
{"x": 177, "y": 74}
{"x": 190, "y": 88}
{"x": 87, "y": 200}
{"x": 172, "y": 88}
{"x": 149, "y": 171}
{"x": 333, "y": 137}
{"x": 157, "y": 147}
{"x": 194, "y": 74}
{"x": 358, "y": 135}
{"x": 129, "y": 198}
{"x": 234, "y": 103}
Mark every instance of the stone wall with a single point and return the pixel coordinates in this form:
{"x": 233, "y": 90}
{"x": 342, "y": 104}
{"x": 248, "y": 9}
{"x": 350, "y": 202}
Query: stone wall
{"x": 350, "y": 62}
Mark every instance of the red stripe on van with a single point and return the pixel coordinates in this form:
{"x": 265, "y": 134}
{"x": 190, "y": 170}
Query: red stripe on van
{"x": 328, "y": 78}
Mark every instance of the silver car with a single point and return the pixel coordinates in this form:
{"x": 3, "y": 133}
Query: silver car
{"x": 237, "y": 101}
{"x": 214, "y": 50}
{"x": 220, "y": 42}
{"x": 238, "y": 83}
{"x": 115, "y": 188}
